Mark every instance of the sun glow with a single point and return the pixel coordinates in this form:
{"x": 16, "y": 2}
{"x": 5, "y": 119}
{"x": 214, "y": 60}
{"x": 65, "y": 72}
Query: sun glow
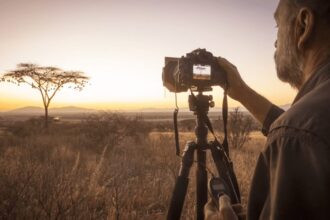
{"x": 123, "y": 49}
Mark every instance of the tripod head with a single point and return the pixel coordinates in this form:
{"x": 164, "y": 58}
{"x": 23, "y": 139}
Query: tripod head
{"x": 200, "y": 104}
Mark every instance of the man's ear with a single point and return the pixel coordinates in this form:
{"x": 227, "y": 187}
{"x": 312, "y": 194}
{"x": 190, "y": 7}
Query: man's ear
{"x": 304, "y": 26}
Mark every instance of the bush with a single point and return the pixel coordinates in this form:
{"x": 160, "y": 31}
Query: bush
{"x": 93, "y": 133}
{"x": 52, "y": 176}
{"x": 239, "y": 128}
{"x": 111, "y": 129}
{"x": 33, "y": 126}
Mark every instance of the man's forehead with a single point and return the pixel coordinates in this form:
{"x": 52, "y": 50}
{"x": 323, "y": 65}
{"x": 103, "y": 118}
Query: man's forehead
{"x": 279, "y": 8}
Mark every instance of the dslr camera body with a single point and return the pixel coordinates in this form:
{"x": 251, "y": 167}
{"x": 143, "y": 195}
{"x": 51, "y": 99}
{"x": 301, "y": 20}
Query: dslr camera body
{"x": 198, "y": 70}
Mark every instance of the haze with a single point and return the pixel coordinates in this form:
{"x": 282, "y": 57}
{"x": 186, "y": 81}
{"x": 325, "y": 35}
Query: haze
{"x": 121, "y": 45}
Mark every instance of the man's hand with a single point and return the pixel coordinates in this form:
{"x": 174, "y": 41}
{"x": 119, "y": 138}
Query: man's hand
{"x": 240, "y": 91}
{"x": 225, "y": 211}
{"x": 236, "y": 85}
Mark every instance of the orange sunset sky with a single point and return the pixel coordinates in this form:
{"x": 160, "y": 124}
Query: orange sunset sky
{"x": 121, "y": 45}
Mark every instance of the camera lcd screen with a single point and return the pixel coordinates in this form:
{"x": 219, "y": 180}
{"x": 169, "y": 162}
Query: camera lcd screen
{"x": 201, "y": 72}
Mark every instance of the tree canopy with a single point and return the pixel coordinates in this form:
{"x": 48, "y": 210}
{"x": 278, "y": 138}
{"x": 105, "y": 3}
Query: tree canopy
{"x": 47, "y": 79}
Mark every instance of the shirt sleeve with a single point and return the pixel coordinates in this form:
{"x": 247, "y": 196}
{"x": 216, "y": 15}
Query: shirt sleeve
{"x": 299, "y": 170}
{"x": 273, "y": 113}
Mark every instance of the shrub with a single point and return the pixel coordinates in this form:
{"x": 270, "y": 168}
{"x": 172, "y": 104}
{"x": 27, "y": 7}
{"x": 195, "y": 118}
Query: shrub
{"x": 239, "y": 128}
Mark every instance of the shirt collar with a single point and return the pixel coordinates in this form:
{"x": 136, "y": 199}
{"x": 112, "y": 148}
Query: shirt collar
{"x": 320, "y": 75}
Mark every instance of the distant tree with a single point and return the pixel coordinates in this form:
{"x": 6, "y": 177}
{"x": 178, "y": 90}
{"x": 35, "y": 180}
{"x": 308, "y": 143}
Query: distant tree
{"x": 47, "y": 80}
{"x": 239, "y": 127}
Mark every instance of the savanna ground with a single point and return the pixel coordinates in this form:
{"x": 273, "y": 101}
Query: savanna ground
{"x": 105, "y": 167}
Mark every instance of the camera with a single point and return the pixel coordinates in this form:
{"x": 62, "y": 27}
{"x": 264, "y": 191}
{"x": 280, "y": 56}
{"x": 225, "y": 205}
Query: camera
{"x": 198, "y": 70}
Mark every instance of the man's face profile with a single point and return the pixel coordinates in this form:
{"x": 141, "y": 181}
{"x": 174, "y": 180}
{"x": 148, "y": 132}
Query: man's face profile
{"x": 287, "y": 59}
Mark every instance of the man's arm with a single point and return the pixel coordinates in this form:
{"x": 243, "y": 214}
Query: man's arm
{"x": 256, "y": 104}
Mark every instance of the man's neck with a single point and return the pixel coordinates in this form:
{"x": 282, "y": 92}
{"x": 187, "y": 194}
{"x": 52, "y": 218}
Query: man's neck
{"x": 313, "y": 61}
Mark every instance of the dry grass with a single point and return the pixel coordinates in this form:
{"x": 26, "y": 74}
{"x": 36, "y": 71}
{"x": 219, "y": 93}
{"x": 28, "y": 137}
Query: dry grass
{"x": 57, "y": 176}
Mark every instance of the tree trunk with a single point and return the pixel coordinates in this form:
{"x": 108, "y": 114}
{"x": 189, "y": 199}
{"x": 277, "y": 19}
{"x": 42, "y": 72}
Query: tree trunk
{"x": 46, "y": 117}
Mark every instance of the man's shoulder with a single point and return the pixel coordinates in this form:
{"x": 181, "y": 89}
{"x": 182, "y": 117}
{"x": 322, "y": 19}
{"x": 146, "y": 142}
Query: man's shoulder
{"x": 310, "y": 114}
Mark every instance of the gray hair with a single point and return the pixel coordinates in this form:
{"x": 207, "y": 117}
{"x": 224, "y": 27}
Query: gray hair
{"x": 320, "y": 7}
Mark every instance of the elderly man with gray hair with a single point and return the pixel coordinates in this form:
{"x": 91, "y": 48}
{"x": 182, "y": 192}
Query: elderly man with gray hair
{"x": 292, "y": 176}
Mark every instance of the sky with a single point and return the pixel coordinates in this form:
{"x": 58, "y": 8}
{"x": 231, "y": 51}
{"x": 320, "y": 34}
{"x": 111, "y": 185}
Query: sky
{"x": 121, "y": 45}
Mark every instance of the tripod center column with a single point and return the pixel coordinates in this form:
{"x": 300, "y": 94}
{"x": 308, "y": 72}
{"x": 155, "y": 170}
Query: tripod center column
{"x": 201, "y": 131}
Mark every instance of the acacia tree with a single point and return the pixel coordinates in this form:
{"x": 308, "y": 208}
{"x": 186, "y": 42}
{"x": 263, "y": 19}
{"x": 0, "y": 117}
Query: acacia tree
{"x": 47, "y": 80}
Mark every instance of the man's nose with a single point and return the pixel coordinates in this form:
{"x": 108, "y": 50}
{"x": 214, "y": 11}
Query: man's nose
{"x": 275, "y": 44}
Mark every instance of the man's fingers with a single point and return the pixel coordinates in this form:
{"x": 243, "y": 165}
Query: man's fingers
{"x": 211, "y": 206}
{"x": 211, "y": 211}
{"x": 224, "y": 201}
{"x": 225, "y": 63}
{"x": 226, "y": 210}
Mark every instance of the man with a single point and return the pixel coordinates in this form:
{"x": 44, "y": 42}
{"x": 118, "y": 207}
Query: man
{"x": 292, "y": 176}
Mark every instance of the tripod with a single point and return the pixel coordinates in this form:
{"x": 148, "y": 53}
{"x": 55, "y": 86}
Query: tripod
{"x": 200, "y": 105}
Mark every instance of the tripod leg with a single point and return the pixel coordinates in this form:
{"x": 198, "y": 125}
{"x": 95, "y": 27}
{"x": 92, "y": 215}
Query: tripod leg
{"x": 225, "y": 170}
{"x": 181, "y": 184}
{"x": 201, "y": 176}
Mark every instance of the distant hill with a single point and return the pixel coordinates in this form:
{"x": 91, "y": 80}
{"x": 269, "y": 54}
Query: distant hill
{"x": 71, "y": 110}
{"x": 26, "y": 110}
{"x": 32, "y": 110}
